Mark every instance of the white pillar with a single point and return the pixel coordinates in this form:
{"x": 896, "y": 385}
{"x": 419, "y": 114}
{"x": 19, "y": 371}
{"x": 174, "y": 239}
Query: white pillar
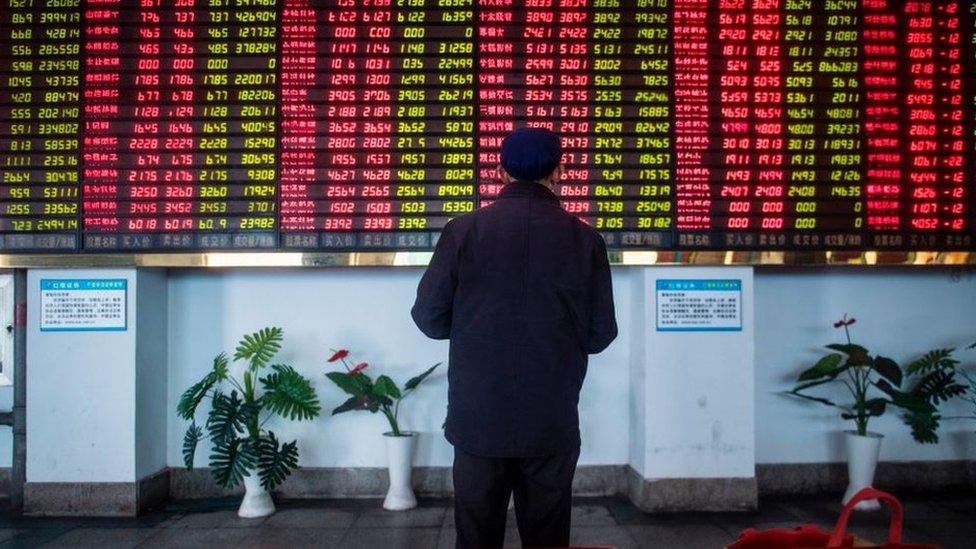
{"x": 693, "y": 432}
{"x": 96, "y": 402}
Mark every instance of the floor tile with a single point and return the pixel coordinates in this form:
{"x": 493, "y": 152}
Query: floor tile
{"x": 291, "y": 538}
{"x": 217, "y": 519}
{"x": 592, "y": 515}
{"x": 35, "y": 537}
{"x": 419, "y": 517}
{"x": 103, "y": 538}
{"x": 386, "y": 538}
{"x": 617, "y": 537}
{"x": 311, "y": 518}
{"x": 197, "y": 538}
{"x": 701, "y": 536}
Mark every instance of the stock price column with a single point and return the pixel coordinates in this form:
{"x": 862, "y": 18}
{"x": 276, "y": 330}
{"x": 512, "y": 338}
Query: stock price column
{"x": 647, "y": 101}
{"x": 40, "y": 104}
{"x": 433, "y": 156}
{"x": 824, "y": 131}
{"x": 236, "y": 166}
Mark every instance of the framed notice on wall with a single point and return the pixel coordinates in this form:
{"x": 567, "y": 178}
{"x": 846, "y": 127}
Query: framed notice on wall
{"x": 83, "y": 305}
{"x": 699, "y": 305}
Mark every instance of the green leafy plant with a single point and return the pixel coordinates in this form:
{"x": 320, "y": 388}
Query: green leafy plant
{"x": 235, "y": 422}
{"x": 873, "y": 381}
{"x": 381, "y": 395}
{"x": 932, "y": 378}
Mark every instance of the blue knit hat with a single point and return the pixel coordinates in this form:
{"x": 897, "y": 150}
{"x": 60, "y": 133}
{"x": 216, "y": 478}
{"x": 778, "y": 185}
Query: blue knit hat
{"x": 531, "y": 154}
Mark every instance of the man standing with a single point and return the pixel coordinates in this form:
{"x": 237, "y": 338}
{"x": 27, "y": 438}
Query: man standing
{"x": 522, "y": 289}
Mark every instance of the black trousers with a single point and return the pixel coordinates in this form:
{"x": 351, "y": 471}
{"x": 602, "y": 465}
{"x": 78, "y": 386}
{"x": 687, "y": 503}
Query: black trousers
{"x": 543, "y": 499}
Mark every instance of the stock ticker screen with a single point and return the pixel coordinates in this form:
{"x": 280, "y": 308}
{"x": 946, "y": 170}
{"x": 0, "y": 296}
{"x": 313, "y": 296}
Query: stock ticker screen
{"x": 331, "y": 125}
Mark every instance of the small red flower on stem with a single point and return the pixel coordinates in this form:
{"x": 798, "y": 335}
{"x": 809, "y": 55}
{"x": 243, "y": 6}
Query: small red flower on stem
{"x": 359, "y": 368}
{"x": 844, "y": 323}
{"x": 339, "y": 355}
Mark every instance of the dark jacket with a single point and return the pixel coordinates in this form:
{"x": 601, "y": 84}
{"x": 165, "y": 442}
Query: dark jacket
{"x": 523, "y": 291}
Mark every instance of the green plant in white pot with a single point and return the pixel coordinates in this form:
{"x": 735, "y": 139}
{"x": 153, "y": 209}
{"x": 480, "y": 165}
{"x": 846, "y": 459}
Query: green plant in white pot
{"x": 874, "y": 384}
{"x": 243, "y": 451}
{"x": 383, "y": 395}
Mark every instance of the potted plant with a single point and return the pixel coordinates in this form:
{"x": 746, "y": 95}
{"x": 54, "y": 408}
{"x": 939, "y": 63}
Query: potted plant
{"x": 243, "y": 451}
{"x": 874, "y": 384}
{"x": 383, "y": 395}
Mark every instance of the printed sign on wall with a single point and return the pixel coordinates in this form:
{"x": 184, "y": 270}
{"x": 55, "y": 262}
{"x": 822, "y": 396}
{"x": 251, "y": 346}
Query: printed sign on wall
{"x": 83, "y": 305}
{"x": 699, "y": 305}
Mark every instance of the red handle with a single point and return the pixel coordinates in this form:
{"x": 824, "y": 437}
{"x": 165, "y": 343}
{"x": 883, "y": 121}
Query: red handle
{"x": 894, "y": 528}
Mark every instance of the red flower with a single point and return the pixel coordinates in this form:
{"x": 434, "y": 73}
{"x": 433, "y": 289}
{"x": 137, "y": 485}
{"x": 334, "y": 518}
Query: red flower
{"x": 844, "y": 322}
{"x": 359, "y": 368}
{"x": 338, "y": 355}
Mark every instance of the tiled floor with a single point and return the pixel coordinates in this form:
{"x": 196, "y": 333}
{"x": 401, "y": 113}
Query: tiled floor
{"x": 949, "y": 520}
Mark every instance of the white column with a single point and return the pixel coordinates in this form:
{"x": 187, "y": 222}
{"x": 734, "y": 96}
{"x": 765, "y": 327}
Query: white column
{"x": 693, "y": 435}
{"x": 96, "y": 399}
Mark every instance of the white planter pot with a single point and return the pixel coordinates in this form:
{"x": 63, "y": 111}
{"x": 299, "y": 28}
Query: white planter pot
{"x": 257, "y": 501}
{"x": 399, "y": 454}
{"x": 862, "y": 459}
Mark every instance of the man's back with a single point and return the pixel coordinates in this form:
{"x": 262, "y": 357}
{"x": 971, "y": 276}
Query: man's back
{"x": 523, "y": 291}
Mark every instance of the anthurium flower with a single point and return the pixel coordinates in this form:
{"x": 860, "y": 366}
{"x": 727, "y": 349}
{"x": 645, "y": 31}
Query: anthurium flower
{"x": 359, "y": 368}
{"x": 339, "y": 355}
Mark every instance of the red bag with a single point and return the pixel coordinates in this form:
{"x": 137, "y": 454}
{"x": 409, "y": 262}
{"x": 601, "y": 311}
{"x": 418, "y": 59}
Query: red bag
{"x": 809, "y": 536}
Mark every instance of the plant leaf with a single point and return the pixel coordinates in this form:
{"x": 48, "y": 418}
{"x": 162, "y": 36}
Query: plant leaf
{"x": 856, "y": 355}
{"x": 288, "y": 394}
{"x": 354, "y": 403}
{"x": 938, "y": 386}
{"x": 904, "y": 400}
{"x": 876, "y": 406}
{"x": 936, "y": 359}
{"x": 825, "y": 367}
{"x": 275, "y": 463}
{"x": 190, "y": 441}
{"x": 230, "y": 461}
{"x": 815, "y": 399}
{"x": 349, "y": 384}
{"x": 804, "y": 386}
{"x": 385, "y": 387}
{"x": 413, "y": 382}
{"x": 226, "y": 417}
{"x": 888, "y": 369}
{"x": 191, "y": 398}
{"x": 260, "y": 347}
{"x": 924, "y": 426}
{"x": 219, "y": 369}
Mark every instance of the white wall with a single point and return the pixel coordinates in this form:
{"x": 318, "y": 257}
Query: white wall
{"x": 900, "y": 313}
{"x": 368, "y": 312}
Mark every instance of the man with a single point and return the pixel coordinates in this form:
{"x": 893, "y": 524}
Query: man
{"x": 522, "y": 289}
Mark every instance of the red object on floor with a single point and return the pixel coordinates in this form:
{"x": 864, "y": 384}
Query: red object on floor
{"x": 809, "y": 536}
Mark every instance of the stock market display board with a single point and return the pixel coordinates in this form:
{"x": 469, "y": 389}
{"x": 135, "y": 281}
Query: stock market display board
{"x": 344, "y": 125}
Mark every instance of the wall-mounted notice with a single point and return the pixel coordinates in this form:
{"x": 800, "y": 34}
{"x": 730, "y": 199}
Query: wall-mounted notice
{"x": 699, "y": 305}
{"x": 83, "y": 305}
